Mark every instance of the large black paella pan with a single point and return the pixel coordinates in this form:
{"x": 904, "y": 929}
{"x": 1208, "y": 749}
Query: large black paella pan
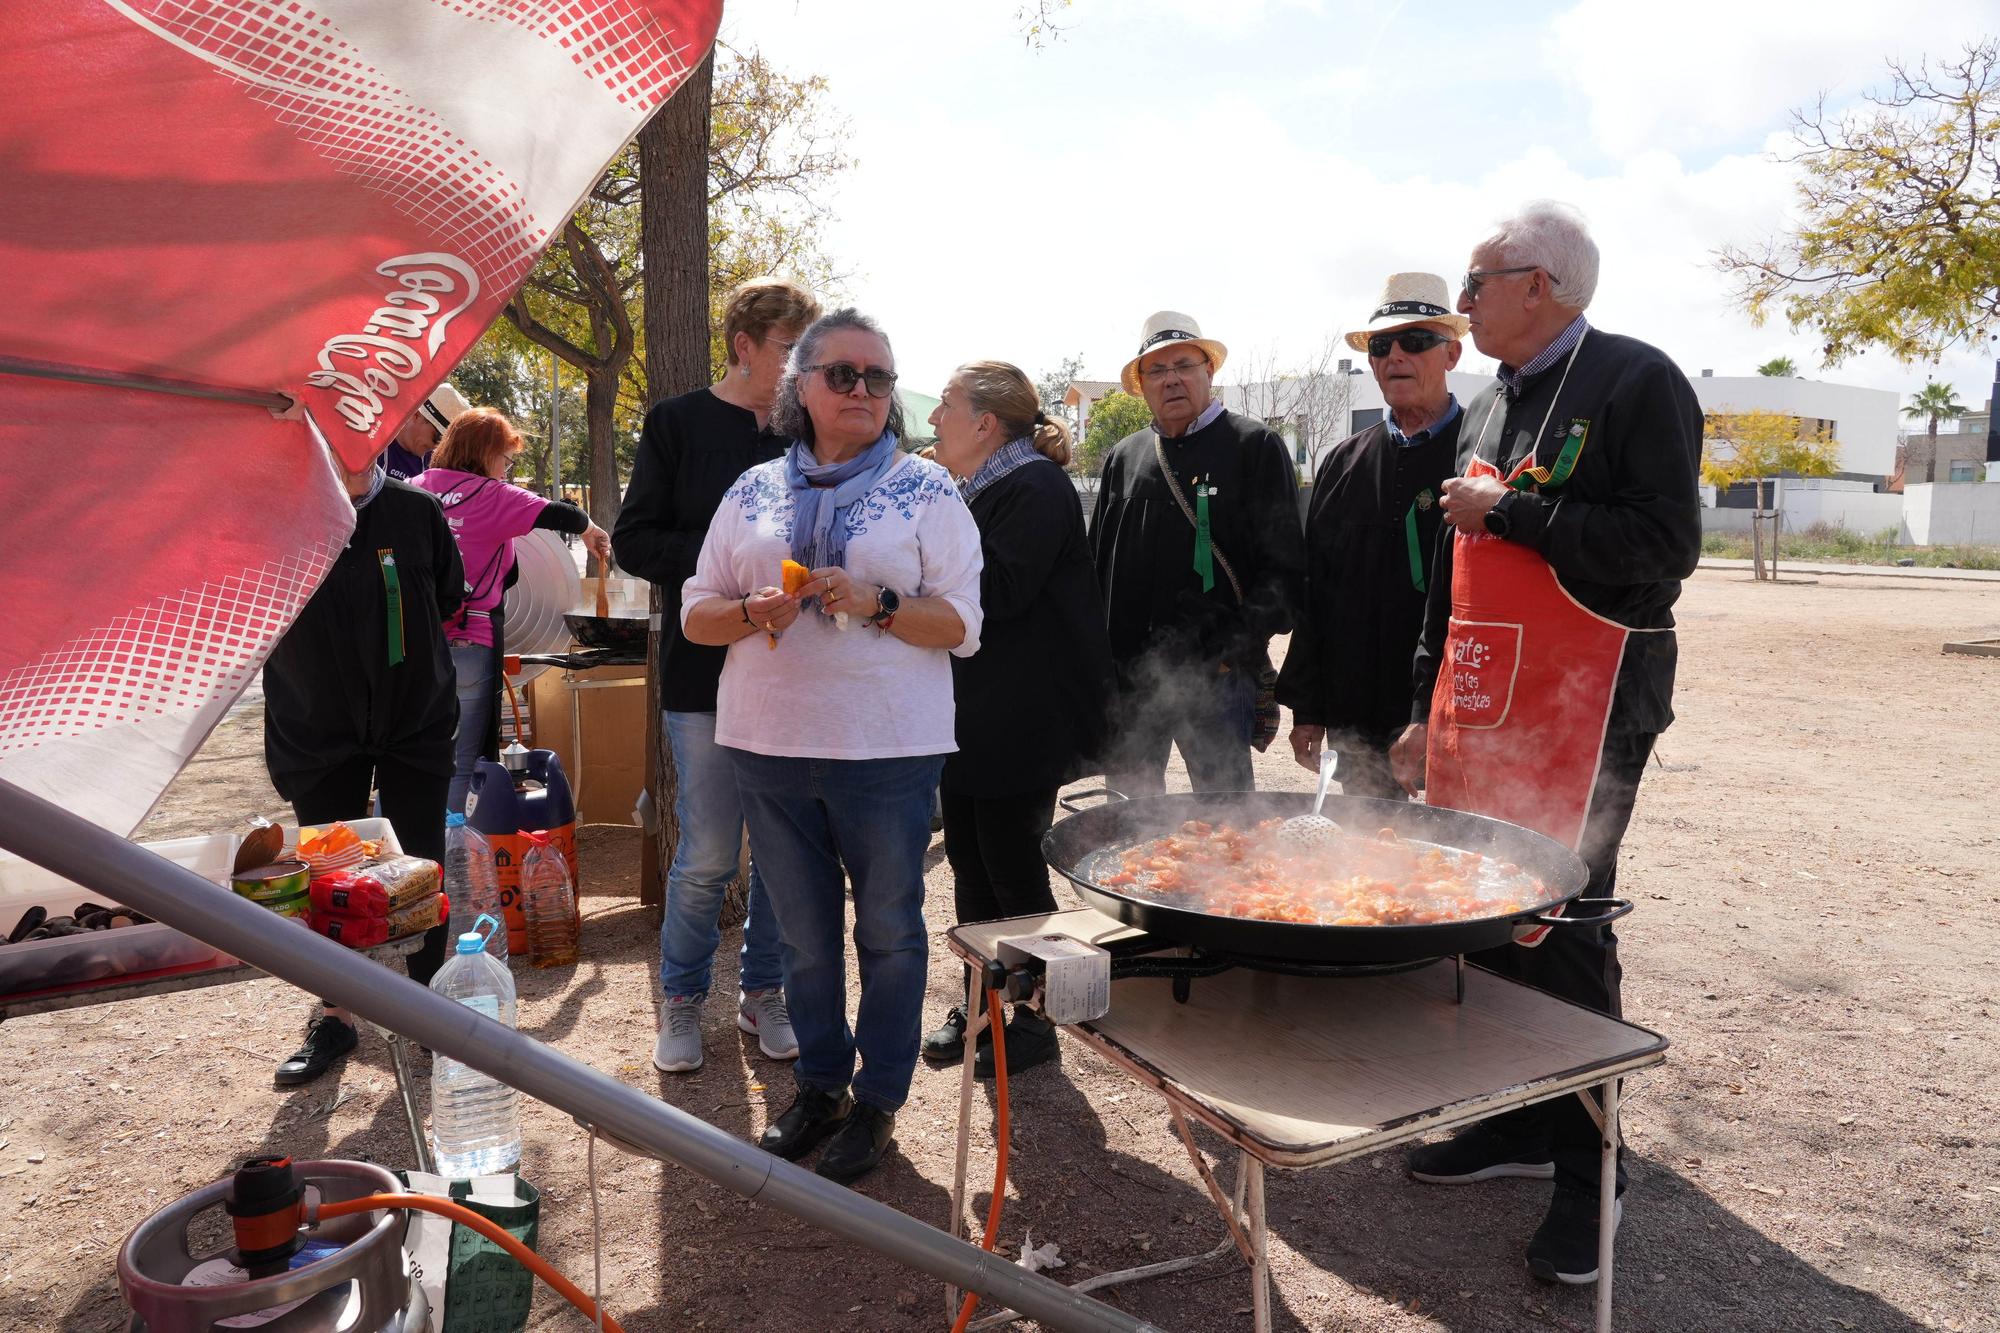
{"x": 1088, "y": 847}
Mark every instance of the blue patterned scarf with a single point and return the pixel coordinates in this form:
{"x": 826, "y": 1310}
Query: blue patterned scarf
{"x": 822, "y": 493}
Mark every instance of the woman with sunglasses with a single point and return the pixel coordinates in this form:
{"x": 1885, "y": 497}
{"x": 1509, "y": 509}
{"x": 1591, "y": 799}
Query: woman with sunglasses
{"x": 835, "y": 706}
{"x": 693, "y": 448}
{"x": 1371, "y": 535}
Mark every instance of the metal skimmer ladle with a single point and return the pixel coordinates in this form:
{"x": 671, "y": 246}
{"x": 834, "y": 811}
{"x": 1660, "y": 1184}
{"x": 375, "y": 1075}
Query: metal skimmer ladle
{"x": 1315, "y": 829}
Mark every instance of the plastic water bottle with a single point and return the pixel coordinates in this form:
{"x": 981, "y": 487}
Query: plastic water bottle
{"x": 548, "y": 904}
{"x": 471, "y": 883}
{"x": 475, "y": 1118}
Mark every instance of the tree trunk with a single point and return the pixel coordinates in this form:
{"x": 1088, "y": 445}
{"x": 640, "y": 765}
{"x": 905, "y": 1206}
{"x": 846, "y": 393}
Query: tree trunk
{"x": 673, "y": 247}
{"x": 600, "y": 403}
{"x": 1757, "y": 534}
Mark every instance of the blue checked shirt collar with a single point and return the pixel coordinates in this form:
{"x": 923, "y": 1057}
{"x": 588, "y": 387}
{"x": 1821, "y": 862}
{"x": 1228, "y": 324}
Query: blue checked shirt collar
{"x": 1007, "y": 458}
{"x": 1565, "y": 343}
{"x": 1427, "y": 433}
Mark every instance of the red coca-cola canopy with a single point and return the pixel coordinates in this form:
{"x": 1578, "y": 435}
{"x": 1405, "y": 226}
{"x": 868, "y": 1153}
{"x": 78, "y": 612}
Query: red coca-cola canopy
{"x": 307, "y": 209}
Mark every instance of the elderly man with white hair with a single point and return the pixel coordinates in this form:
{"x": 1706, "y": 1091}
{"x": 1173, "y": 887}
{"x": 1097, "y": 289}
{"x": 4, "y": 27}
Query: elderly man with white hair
{"x": 1546, "y": 669}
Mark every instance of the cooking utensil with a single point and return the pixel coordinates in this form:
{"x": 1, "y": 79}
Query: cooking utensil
{"x": 603, "y": 592}
{"x": 1089, "y": 844}
{"x": 1315, "y": 829}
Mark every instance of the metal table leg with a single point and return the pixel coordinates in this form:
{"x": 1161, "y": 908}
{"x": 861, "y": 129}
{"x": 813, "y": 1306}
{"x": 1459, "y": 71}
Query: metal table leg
{"x": 399, "y": 1061}
{"x": 1607, "y": 1201}
{"x": 975, "y": 1023}
{"x": 1260, "y": 1255}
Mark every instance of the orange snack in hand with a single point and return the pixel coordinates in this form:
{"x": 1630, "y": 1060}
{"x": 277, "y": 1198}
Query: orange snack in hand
{"x": 795, "y": 576}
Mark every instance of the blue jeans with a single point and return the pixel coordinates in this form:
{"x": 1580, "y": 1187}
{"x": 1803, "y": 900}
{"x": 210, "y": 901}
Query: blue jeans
{"x": 808, "y": 819}
{"x": 474, "y": 664}
{"x": 705, "y": 859}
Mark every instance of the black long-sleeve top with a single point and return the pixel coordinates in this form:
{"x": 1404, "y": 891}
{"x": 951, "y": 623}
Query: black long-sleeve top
{"x": 1031, "y": 703}
{"x": 691, "y": 449}
{"x": 1143, "y": 545}
{"x": 330, "y": 692}
{"x": 1348, "y": 667}
{"x": 1625, "y": 529}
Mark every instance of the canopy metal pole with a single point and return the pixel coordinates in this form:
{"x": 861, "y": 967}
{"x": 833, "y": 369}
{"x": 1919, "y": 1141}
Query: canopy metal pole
{"x": 119, "y": 379}
{"x": 81, "y": 851}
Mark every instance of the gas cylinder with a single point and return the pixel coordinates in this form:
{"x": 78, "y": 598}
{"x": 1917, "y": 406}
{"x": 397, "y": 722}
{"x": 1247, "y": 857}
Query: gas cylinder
{"x": 530, "y": 794}
{"x": 349, "y": 1274}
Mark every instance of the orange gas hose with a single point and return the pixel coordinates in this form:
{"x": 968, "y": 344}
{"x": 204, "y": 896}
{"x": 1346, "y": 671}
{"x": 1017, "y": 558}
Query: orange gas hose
{"x": 1000, "y": 1163}
{"x": 526, "y": 1257}
{"x": 514, "y": 701}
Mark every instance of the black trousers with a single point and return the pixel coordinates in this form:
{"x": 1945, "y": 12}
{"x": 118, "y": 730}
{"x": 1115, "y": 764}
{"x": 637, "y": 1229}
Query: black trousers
{"x": 1207, "y": 715}
{"x": 413, "y": 801}
{"x": 994, "y": 844}
{"x": 1580, "y": 966}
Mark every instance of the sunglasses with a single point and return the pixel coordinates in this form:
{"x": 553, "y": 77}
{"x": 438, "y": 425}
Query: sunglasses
{"x": 1414, "y": 341}
{"x": 1475, "y": 278}
{"x": 841, "y": 378}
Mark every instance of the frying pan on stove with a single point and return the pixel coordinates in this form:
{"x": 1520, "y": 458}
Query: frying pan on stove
{"x": 1088, "y": 845}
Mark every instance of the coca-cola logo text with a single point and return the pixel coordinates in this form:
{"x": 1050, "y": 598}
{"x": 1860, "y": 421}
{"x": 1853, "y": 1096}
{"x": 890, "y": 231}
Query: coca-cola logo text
{"x": 405, "y": 331}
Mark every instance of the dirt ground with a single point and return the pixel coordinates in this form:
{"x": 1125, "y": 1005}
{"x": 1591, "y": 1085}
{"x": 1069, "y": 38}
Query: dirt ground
{"x": 1813, "y": 859}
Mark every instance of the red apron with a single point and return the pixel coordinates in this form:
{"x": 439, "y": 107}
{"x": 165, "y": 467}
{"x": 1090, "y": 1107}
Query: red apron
{"x": 1524, "y": 693}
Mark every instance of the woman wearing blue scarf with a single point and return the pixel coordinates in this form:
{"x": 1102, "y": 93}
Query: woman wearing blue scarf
{"x": 835, "y": 706}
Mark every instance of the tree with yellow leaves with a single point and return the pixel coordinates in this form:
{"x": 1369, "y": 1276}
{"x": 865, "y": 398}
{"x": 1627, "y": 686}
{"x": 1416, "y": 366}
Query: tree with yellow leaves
{"x": 1897, "y": 243}
{"x": 1750, "y": 446}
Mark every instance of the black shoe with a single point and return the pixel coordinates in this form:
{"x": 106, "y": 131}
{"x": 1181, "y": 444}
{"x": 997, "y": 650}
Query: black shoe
{"x": 1565, "y": 1245}
{"x": 945, "y": 1043}
{"x": 811, "y": 1117}
{"x": 327, "y": 1039}
{"x": 859, "y": 1145}
{"x": 1480, "y": 1153}
{"x": 1031, "y": 1041}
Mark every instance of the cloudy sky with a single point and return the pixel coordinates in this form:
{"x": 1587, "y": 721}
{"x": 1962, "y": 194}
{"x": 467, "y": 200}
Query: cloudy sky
{"x": 1261, "y": 164}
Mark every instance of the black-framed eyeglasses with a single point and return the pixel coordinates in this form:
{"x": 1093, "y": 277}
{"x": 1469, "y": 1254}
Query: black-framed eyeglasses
{"x": 1476, "y": 277}
{"x": 842, "y": 377}
{"x": 1414, "y": 341}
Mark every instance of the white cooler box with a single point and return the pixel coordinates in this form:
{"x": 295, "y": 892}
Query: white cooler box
{"x": 42, "y": 964}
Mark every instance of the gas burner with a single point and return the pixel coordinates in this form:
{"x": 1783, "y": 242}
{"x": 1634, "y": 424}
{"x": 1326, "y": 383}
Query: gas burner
{"x": 1140, "y": 956}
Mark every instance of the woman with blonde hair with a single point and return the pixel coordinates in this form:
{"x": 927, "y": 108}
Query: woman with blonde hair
{"x": 692, "y": 449}
{"x": 468, "y": 475}
{"x": 1032, "y": 702}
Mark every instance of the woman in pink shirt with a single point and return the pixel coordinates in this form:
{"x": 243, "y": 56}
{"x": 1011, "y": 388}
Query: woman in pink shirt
{"x": 468, "y": 475}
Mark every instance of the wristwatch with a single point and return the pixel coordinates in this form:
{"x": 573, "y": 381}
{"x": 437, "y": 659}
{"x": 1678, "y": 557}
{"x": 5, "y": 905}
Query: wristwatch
{"x": 1496, "y": 518}
{"x": 886, "y": 607}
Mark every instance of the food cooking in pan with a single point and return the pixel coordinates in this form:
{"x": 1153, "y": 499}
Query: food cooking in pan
{"x": 1350, "y": 879}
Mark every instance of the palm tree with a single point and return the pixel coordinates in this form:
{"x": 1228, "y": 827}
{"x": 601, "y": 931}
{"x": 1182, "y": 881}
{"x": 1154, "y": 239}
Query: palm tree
{"x": 1937, "y": 402}
{"x": 1780, "y": 368}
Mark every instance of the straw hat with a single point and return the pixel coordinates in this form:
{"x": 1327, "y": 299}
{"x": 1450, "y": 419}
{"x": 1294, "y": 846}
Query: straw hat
{"x": 1411, "y": 298}
{"x": 444, "y": 404}
{"x": 1162, "y": 328}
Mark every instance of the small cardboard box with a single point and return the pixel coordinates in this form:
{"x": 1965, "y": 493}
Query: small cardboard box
{"x": 607, "y": 776}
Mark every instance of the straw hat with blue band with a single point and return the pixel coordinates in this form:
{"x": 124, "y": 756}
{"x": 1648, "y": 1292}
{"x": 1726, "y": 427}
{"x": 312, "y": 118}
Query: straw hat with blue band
{"x": 1164, "y": 328}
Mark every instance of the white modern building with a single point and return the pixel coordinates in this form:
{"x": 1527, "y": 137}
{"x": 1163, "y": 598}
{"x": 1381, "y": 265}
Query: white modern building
{"x": 1863, "y": 422}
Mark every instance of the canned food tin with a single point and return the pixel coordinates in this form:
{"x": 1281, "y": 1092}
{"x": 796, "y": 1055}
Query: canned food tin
{"x": 272, "y": 883}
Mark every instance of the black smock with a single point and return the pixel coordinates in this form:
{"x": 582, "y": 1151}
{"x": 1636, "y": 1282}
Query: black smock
{"x": 1348, "y": 666}
{"x": 692, "y": 449}
{"x": 330, "y": 692}
{"x": 1031, "y": 702}
{"x": 1143, "y": 546}
{"x": 1624, "y": 530}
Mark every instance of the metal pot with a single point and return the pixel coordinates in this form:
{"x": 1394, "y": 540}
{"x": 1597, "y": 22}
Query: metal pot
{"x": 1088, "y": 845}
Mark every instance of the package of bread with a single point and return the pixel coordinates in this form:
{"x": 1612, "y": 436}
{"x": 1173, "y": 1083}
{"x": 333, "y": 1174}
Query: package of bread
{"x": 379, "y": 888}
{"x": 365, "y": 932}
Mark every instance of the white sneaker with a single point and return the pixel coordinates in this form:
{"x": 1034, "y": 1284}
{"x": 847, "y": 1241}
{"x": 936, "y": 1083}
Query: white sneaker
{"x": 679, "y": 1046}
{"x": 763, "y": 1014}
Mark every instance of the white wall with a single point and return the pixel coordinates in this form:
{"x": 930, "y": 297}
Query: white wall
{"x": 1951, "y": 515}
{"x": 1865, "y": 420}
{"x": 1860, "y": 511}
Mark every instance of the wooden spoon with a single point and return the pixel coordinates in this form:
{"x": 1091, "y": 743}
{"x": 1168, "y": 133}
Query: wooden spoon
{"x": 603, "y": 595}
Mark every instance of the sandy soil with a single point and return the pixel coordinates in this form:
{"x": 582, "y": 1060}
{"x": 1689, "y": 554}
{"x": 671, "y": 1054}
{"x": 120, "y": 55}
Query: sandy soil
{"x": 1813, "y": 860}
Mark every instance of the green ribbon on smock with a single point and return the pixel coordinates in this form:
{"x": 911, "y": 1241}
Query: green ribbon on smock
{"x": 1204, "y": 546}
{"x": 392, "y": 587}
{"x": 1416, "y": 547}
{"x": 1565, "y": 463}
